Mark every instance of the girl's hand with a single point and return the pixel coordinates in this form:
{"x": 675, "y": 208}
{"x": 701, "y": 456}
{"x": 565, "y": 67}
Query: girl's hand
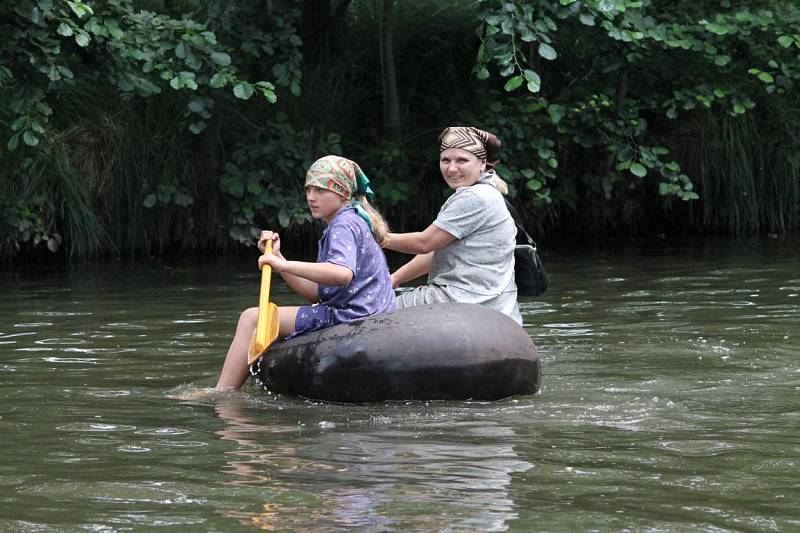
{"x": 277, "y": 263}
{"x": 267, "y": 235}
{"x": 395, "y": 280}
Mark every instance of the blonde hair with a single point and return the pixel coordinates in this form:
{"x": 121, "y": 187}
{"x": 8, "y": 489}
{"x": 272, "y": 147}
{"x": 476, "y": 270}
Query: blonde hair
{"x": 500, "y": 184}
{"x": 380, "y": 228}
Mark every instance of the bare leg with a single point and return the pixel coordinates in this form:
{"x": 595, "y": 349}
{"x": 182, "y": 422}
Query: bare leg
{"x": 235, "y": 369}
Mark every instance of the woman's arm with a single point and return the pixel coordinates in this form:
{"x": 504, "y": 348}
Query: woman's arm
{"x": 418, "y": 242}
{"x": 418, "y": 266}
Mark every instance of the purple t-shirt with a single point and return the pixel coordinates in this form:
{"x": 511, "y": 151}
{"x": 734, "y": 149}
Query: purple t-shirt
{"x": 347, "y": 241}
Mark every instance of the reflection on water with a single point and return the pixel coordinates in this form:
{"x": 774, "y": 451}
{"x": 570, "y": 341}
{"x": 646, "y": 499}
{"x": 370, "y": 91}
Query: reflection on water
{"x": 384, "y": 476}
{"x": 669, "y": 403}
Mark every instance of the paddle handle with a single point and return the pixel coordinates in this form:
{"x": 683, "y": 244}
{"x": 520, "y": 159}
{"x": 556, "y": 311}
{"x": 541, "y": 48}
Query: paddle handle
{"x": 262, "y": 332}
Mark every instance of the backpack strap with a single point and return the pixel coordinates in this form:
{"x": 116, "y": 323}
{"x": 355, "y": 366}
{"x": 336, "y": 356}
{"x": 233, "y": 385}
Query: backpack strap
{"x": 518, "y": 223}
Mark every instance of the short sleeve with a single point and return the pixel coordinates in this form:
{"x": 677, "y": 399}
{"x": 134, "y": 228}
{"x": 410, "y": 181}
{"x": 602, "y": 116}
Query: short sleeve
{"x": 462, "y": 214}
{"x": 342, "y": 246}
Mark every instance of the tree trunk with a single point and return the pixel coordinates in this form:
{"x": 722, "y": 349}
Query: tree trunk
{"x": 391, "y": 104}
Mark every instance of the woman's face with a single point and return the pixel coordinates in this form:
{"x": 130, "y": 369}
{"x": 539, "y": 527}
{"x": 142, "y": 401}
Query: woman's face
{"x": 323, "y": 203}
{"x": 460, "y": 168}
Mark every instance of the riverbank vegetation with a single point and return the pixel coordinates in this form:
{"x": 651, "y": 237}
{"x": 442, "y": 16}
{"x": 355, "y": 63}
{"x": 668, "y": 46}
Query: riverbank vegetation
{"x": 147, "y": 127}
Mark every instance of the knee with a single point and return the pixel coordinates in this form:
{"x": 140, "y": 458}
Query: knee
{"x": 249, "y": 318}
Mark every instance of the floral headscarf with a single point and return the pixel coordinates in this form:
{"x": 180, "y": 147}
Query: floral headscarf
{"x": 340, "y": 175}
{"x": 344, "y": 177}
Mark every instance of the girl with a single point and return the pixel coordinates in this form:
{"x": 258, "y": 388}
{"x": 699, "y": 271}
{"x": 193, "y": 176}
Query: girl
{"x": 350, "y": 279}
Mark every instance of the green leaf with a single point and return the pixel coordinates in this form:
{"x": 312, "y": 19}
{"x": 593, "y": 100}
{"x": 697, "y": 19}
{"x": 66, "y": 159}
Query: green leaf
{"x": 19, "y": 122}
{"x": 79, "y": 8}
{"x": 269, "y": 94}
{"x": 534, "y": 82}
{"x": 556, "y": 113}
{"x": 587, "y": 19}
{"x": 221, "y": 58}
{"x": 64, "y": 29}
{"x": 243, "y": 90}
{"x": 533, "y": 184}
{"x": 95, "y": 28}
{"x": 513, "y": 83}
{"x": 29, "y": 138}
{"x": 150, "y": 200}
{"x": 547, "y": 51}
{"x": 197, "y": 127}
{"x": 717, "y": 29}
{"x": 785, "y": 41}
{"x": 114, "y": 30}
{"x": 637, "y": 169}
{"x": 766, "y": 77}
{"x": 82, "y": 39}
{"x": 13, "y": 142}
{"x": 181, "y": 50}
{"x": 218, "y": 81}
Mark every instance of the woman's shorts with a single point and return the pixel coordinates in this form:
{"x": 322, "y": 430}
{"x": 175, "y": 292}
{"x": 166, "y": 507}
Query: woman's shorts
{"x": 506, "y": 302}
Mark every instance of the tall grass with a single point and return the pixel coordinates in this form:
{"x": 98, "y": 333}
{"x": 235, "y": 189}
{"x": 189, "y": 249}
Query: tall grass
{"x": 745, "y": 168}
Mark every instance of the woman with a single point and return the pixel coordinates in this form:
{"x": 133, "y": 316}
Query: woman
{"x": 349, "y": 280}
{"x": 468, "y": 251}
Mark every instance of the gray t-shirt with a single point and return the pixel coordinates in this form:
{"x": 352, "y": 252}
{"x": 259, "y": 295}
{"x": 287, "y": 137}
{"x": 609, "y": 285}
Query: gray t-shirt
{"x": 481, "y": 259}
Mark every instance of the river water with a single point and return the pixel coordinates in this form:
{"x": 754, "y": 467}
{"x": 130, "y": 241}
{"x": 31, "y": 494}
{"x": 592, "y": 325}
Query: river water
{"x": 671, "y": 379}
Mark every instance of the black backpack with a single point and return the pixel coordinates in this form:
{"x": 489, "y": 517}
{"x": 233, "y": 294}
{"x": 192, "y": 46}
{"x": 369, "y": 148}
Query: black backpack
{"x": 529, "y": 271}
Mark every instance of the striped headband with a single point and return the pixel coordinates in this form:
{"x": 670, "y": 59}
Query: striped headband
{"x": 470, "y": 139}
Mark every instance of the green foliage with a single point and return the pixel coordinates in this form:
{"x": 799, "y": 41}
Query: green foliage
{"x": 154, "y": 126}
{"x": 607, "y": 71}
{"x": 140, "y": 53}
{"x": 55, "y": 57}
{"x": 263, "y": 179}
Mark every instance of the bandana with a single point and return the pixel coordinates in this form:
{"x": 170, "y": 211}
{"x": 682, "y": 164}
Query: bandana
{"x": 344, "y": 177}
{"x": 470, "y": 139}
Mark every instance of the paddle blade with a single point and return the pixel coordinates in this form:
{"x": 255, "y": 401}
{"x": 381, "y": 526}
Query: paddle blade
{"x": 266, "y": 334}
{"x": 268, "y": 323}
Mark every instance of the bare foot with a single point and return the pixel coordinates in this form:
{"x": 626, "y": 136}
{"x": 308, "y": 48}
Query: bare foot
{"x": 194, "y": 394}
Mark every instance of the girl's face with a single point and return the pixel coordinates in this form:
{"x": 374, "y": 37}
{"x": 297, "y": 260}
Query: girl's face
{"x": 323, "y": 203}
{"x": 460, "y": 168}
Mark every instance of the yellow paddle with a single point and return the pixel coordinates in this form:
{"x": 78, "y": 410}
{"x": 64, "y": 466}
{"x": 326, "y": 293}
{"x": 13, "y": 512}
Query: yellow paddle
{"x": 268, "y": 322}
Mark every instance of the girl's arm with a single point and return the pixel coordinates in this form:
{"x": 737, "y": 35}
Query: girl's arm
{"x": 418, "y": 266}
{"x": 304, "y": 277}
{"x": 309, "y": 290}
{"x": 418, "y": 242}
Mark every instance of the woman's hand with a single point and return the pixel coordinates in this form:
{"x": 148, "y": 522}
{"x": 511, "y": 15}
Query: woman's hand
{"x": 395, "y": 280}
{"x": 277, "y": 263}
{"x": 267, "y": 235}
